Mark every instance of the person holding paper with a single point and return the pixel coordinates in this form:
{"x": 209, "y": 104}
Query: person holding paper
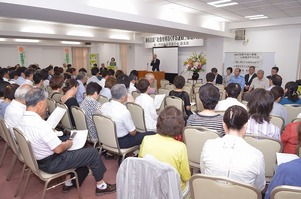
{"x": 147, "y": 103}
{"x": 287, "y": 173}
{"x": 51, "y": 153}
{"x": 126, "y": 130}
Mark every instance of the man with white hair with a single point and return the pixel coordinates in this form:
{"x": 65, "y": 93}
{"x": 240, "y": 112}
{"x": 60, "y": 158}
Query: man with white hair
{"x": 16, "y": 108}
{"x": 259, "y": 82}
{"x": 51, "y": 153}
{"x": 126, "y": 130}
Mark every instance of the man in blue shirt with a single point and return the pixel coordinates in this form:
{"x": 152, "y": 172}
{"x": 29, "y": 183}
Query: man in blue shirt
{"x": 237, "y": 78}
{"x": 286, "y": 174}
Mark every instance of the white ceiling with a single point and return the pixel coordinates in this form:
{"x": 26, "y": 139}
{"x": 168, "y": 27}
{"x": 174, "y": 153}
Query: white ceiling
{"x": 141, "y": 17}
{"x": 274, "y": 9}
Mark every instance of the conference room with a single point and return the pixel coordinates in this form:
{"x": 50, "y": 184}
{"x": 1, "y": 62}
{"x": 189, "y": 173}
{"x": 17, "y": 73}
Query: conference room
{"x": 160, "y": 40}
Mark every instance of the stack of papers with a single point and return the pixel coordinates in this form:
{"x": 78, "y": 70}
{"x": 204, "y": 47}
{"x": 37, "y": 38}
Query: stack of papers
{"x": 79, "y": 140}
{"x": 285, "y": 157}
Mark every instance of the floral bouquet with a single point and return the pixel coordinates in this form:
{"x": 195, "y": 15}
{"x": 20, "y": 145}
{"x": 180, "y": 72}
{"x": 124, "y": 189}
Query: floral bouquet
{"x": 196, "y": 62}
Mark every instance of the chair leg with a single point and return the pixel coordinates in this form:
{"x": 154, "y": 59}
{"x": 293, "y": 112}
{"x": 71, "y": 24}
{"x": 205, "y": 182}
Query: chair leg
{"x": 3, "y": 153}
{"x": 45, "y": 188}
{"x": 20, "y": 180}
{"x": 12, "y": 166}
{"x": 26, "y": 184}
{"x": 77, "y": 185}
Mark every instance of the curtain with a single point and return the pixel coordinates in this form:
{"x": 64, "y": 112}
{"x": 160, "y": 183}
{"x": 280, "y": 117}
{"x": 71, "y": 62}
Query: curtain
{"x": 79, "y": 57}
{"x": 123, "y": 57}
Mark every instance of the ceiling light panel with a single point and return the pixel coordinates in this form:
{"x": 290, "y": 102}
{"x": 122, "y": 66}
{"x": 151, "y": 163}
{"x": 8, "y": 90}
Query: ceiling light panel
{"x": 27, "y": 40}
{"x": 71, "y": 42}
{"x": 222, "y": 3}
{"x": 38, "y": 29}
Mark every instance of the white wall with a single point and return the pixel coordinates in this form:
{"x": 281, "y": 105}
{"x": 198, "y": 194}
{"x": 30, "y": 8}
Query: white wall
{"x": 43, "y": 55}
{"x": 106, "y": 51}
{"x": 283, "y": 40}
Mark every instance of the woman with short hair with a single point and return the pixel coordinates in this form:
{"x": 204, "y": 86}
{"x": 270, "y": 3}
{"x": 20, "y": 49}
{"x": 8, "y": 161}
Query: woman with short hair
{"x": 179, "y": 83}
{"x": 164, "y": 147}
{"x": 260, "y": 106}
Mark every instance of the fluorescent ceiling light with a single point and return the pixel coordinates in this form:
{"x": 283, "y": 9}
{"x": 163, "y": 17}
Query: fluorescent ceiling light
{"x": 222, "y": 3}
{"x": 27, "y": 40}
{"x": 226, "y": 4}
{"x": 218, "y": 2}
{"x": 40, "y": 30}
{"x": 264, "y": 17}
{"x": 2, "y": 39}
{"x": 252, "y": 17}
{"x": 80, "y": 33}
{"x": 71, "y": 42}
{"x": 121, "y": 37}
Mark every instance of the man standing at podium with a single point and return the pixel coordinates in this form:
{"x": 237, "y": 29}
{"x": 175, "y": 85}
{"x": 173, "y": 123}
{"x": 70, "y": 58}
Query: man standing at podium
{"x": 155, "y": 63}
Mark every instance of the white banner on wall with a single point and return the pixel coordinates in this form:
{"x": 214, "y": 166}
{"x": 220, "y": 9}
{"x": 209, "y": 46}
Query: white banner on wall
{"x": 243, "y": 60}
{"x": 165, "y": 41}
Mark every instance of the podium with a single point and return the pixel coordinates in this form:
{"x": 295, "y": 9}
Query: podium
{"x": 158, "y": 75}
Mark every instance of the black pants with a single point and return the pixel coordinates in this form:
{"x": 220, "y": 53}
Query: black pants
{"x": 130, "y": 141}
{"x": 78, "y": 159}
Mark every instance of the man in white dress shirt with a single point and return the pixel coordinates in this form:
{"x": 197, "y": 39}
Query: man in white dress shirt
{"x": 126, "y": 130}
{"x": 147, "y": 103}
{"x": 94, "y": 73}
{"x": 232, "y": 92}
{"x": 16, "y": 108}
{"x": 231, "y": 156}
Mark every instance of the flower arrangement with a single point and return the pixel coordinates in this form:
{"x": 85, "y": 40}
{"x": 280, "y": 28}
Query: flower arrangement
{"x": 196, "y": 62}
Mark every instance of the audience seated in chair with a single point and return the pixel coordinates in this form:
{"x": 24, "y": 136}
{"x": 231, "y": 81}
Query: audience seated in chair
{"x": 228, "y": 76}
{"x": 287, "y": 173}
{"x": 151, "y": 78}
{"x": 170, "y": 124}
{"x": 218, "y": 79}
{"x": 126, "y": 130}
{"x": 91, "y": 106}
{"x": 94, "y": 77}
{"x": 291, "y": 95}
{"x": 109, "y": 83}
{"x": 56, "y": 84}
{"x": 9, "y": 95}
{"x": 232, "y": 92}
{"x": 70, "y": 90}
{"x": 133, "y": 81}
{"x": 124, "y": 79}
{"x": 275, "y": 80}
{"x": 289, "y": 138}
{"x": 16, "y": 108}
{"x": 260, "y": 107}
{"x": 179, "y": 83}
{"x": 278, "y": 109}
{"x": 231, "y": 156}
{"x": 147, "y": 103}
{"x": 51, "y": 153}
{"x": 81, "y": 79}
{"x": 209, "y": 95}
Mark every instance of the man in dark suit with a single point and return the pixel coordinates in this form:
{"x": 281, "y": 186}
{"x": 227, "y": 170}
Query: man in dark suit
{"x": 218, "y": 77}
{"x": 249, "y": 78}
{"x": 155, "y": 63}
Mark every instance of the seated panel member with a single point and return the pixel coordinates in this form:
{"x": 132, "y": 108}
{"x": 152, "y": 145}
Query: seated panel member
{"x": 51, "y": 153}
{"x": 126, "y": 130}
